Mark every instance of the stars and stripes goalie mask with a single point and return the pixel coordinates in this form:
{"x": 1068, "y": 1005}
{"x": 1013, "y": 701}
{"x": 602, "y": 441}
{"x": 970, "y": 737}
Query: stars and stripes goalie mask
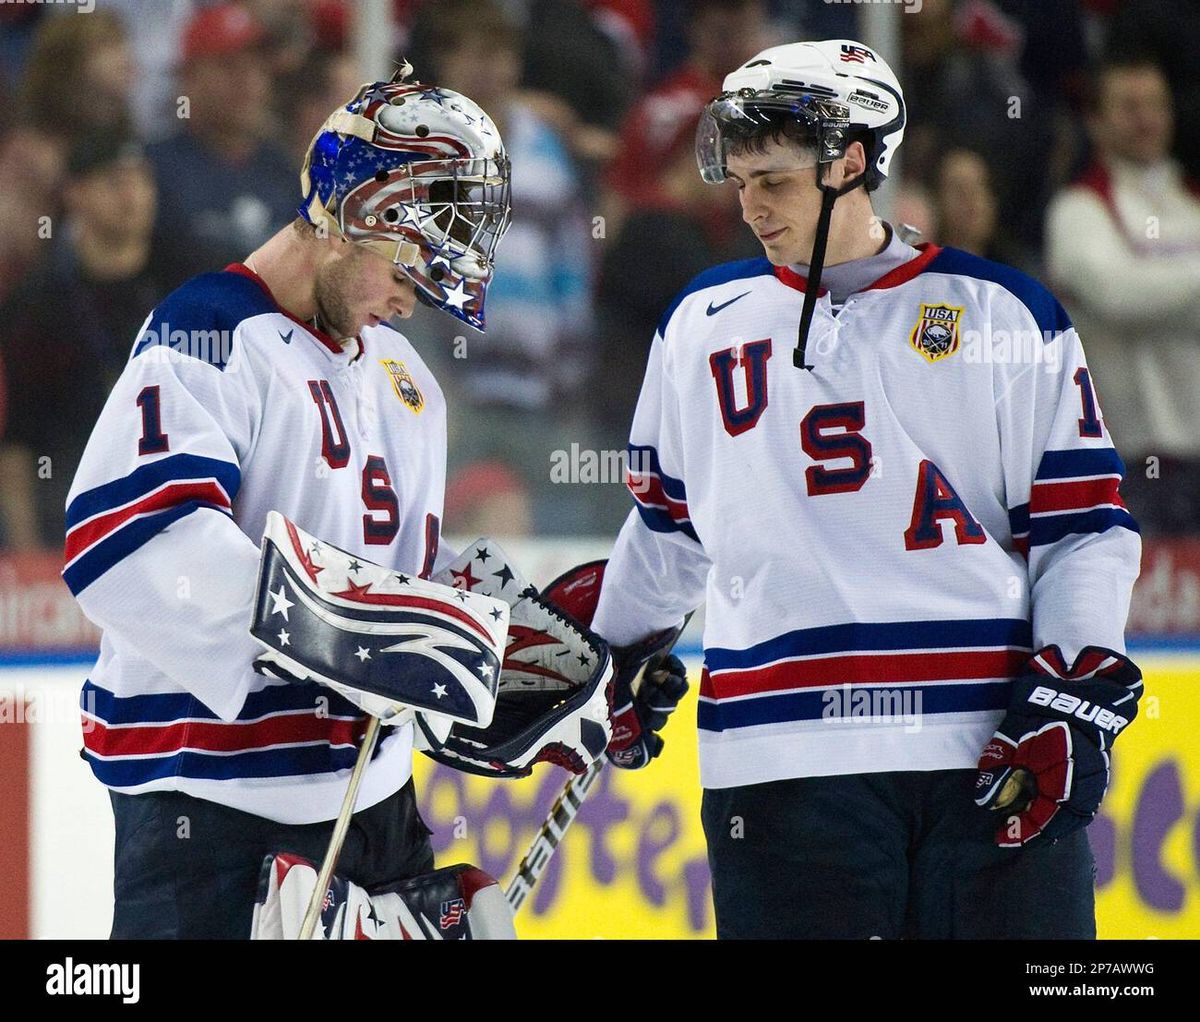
{"x": 494, "y": 678}
{"x": 419, "y": 174}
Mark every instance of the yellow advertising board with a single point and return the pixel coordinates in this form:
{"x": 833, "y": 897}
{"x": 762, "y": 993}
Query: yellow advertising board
{"x": 634, "y": 865}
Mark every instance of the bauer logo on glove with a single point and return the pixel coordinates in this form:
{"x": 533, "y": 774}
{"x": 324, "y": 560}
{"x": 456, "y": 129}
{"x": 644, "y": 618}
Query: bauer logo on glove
{"x": 1047, "y": 765}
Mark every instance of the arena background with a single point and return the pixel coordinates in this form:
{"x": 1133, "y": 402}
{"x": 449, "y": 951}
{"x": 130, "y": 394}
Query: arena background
{"x": 634, "y": 864}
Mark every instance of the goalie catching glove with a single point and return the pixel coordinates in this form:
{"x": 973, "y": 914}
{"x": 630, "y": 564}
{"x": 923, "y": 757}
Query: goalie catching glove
{"x": 639, "y": 709}
{"x": 553, "y": 697}
{"x": 1047, "y": 765}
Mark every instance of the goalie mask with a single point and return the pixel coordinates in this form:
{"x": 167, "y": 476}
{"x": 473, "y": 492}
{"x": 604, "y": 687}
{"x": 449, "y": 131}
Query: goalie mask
{"x": 553, "y": 700}
{"x": 420, "y": 175}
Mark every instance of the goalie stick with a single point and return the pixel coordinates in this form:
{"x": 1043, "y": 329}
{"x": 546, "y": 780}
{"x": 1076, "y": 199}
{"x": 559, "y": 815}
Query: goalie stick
{"x": 340, "y": 827}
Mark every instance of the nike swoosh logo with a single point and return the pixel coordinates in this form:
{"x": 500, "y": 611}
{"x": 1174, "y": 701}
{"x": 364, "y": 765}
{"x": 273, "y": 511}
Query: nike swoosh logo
{"x": 287, "y": 338}
{"x": 714, "y": 309}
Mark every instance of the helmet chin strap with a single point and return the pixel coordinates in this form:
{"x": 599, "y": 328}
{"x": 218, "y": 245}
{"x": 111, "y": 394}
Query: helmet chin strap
{"x": 816, "y": 265}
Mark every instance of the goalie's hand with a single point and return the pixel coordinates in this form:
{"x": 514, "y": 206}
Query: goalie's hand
{"x": 1047, "y": 766}
{"x": 641, "y": 711}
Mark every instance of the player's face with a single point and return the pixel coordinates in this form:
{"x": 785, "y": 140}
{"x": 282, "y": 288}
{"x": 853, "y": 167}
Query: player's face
{"x": 780, "y": 200}
{"x": 356, "y": 287}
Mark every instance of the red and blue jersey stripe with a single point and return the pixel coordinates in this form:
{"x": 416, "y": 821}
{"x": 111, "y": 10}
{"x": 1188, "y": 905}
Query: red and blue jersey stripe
{"x": 661, "y": 499}
{"x": 785, "y": 678}
{"x": 1075, "y": 491}
{"x": 283, "y": 730}
{"x": 110, "y": 522}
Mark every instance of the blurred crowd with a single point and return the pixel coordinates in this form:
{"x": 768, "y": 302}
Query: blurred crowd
{"x": 145, "y": 141}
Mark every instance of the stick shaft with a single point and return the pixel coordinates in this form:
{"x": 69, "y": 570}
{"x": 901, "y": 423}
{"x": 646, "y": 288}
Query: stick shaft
{"x": 551, "y": 834}
{"x": 340, "y": 827}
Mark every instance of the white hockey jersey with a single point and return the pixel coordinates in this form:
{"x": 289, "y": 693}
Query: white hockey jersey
{"x": 880, "y": 541}
{"x": 229, "y": 408}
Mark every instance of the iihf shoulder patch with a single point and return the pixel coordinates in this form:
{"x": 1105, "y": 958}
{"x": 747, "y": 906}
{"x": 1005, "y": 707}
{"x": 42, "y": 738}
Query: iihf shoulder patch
{"x": 403, "y": 384}
{"x": 936, "y": 335}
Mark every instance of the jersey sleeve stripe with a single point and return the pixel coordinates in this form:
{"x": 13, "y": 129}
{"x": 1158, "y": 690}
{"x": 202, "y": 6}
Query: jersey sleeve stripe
{"x": 643, "y": 461}
{"x": 109, "y": 522}
{"x": 1051, "y": 528}
{"x": 146, "y": 479}
{"x": 87, "y": 534}
{"x": 1072, "y": 464}
{"x": 659, "y": 521}
{"x": 1049, "y": 497}
{"x": 101, "y": 556}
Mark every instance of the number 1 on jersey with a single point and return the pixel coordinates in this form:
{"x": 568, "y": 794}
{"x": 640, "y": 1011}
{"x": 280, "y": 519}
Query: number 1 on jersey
{"x": 153, "y": 439}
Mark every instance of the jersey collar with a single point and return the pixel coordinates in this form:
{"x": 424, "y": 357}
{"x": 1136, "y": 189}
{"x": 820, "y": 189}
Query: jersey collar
{"x": 319, "y": 335}
{"x": 900, "y": 275}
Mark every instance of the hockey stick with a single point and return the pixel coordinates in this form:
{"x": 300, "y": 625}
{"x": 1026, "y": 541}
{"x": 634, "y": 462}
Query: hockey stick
{"x": 340, "y": 827}
{"x": 562, "y": 814}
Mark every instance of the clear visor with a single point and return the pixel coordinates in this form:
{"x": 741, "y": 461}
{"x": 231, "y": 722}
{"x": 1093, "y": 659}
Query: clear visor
{"x": 734, "y": 116}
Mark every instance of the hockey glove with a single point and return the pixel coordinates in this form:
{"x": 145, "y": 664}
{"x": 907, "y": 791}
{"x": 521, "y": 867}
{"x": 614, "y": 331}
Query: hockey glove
{"x": 639, "y": 711}
{"x": 1047, "y": 765}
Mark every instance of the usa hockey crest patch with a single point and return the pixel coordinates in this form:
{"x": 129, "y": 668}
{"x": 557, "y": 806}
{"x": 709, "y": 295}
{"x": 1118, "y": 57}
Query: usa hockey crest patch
{"x": 936, "y": 334}
{"x": 403, "y": 384}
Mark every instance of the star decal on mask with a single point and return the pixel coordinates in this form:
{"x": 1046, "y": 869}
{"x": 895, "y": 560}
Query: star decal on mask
{"x": 458, "y": 296}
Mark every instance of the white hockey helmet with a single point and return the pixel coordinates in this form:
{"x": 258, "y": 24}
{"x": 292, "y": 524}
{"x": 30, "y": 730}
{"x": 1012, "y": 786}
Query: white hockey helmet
{"x": 836, "y": 88}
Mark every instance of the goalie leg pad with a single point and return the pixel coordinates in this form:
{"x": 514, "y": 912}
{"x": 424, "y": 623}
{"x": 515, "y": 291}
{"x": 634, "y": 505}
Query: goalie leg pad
{"x": 458, "y": 902}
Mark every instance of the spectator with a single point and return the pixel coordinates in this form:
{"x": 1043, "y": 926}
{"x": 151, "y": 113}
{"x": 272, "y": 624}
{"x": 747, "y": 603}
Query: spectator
{"x": 534, "y": 363}
{"x": 966, "y": 85}
{"x": 1169, "y": 32}
{"x": 1124, "y": 243}
{"x": 79, "y": 77}
{"x": 222, "y": 185}
{"x": 966, "y": 207}
{"x": 486, "y": 498}
{"x": 721, "y": 34}
{"x": 31, "y": 163}
{"x": 913, "y": 213}
{"x": 319, "y": 85}
{"x": 69, "y": 329}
